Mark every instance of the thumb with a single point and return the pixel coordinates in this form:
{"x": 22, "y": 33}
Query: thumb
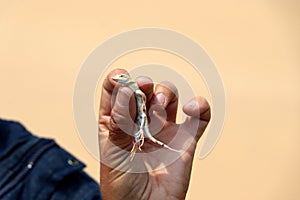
{"x": 123, "y": 112}
{"x": 198, "y": 111}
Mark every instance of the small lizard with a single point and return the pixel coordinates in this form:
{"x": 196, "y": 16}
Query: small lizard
{"x": 141, "y": 118}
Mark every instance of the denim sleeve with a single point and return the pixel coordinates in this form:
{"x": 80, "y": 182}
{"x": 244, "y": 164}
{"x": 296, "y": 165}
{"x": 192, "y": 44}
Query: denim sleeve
{"x": 39, "y": 169}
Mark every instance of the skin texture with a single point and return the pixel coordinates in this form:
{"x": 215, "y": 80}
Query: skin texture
{"x": 116, "y": 121}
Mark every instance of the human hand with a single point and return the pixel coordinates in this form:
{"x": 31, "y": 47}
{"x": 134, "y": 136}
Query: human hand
{"x": 147, "y": 176}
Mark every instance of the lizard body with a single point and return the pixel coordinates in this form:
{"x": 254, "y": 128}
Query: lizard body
{"x": 141, "y": 119}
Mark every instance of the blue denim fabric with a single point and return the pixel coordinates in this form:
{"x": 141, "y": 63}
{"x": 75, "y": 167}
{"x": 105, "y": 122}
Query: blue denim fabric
{"x": 37, "y": 168}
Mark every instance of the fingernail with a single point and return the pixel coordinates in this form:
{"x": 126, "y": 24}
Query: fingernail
{"x": 160, "y": 99}
{"x": 192, "y": 105}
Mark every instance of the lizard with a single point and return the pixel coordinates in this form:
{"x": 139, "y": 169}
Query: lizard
{"x": 141, "y": 119}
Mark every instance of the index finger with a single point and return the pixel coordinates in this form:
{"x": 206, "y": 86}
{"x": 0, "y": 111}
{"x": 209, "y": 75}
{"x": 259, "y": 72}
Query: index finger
{"x": 107, "y": 96}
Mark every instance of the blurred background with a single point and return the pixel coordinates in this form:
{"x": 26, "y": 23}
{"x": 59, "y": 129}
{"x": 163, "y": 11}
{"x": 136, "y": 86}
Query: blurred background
{"x": 254, "y": 44}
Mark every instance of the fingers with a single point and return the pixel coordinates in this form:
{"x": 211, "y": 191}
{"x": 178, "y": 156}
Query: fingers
{"x": 119, "y": 102}
{"x": 114, "y": 115}
{"x": 107, "y": 96}
{"x": 123, "y": 112}
{"x": 197, "y": 107}
{"x": 166, "y": 95}
{"x": 146, "y": 85}
{"x": 199, "y": 114}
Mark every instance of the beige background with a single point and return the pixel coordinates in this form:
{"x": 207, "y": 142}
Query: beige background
{"x": 255, "y": 45}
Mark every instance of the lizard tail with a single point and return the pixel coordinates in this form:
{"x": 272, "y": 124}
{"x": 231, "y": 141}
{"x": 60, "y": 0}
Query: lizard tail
{"x": 163, "y": 144}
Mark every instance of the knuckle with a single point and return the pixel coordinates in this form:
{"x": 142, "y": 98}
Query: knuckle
{"x": 167, "y": 87}
{"x": 144, "y": 81}
{"x": 120, "y": 122}
{"x": 118, "y": 117}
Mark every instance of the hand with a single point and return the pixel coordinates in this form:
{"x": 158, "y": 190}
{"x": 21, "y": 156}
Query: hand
{"x": 147, "y": 176}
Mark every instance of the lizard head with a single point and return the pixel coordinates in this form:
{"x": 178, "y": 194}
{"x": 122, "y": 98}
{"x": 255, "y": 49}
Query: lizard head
{"x": 121, "y": 78}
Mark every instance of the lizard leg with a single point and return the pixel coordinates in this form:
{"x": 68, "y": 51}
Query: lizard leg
{"x": 138, "y": 142}
{"x": 139, "y": 136}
